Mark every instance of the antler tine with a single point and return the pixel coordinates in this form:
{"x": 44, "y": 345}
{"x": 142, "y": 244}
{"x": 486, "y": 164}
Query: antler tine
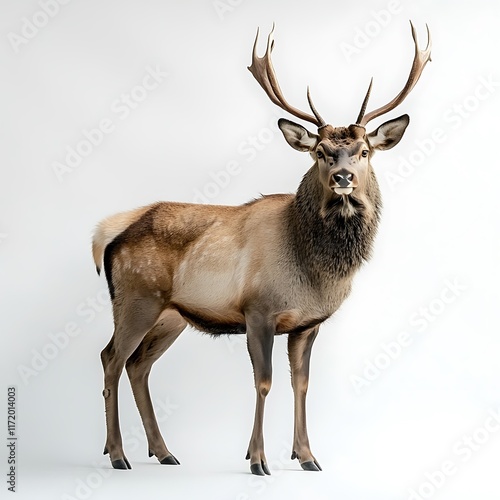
{"x": 321, "y": 122}
{"x": 365, "y": 102}
{"x": 263, "y": 71}
{"x": 421, "y": 58}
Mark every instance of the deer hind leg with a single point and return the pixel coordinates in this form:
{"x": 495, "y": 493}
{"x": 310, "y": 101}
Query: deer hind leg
{"x": 299, "y": 354}
{"x": 155, "y": 343}
{"x": 260, "y": 339}
{"x": 134, "y": 317}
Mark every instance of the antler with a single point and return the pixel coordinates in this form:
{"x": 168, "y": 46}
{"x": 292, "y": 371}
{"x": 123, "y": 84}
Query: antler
{"x": 422, "y": 57}
{"x": 263, "y": 71}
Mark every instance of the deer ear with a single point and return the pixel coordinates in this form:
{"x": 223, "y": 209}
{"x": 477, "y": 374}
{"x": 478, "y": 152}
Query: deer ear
{"x": 297, "y": 136}
{"x": 389, "y": 133}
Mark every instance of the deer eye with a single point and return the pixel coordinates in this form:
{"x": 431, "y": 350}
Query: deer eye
{"x": 364, "y": 153}
{"x": 320, "y": 155}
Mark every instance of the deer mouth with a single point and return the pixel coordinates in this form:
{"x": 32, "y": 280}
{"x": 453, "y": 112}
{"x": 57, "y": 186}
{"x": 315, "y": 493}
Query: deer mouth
{"x": 343, "y": 190}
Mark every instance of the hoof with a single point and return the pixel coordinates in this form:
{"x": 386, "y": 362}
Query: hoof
{"x": 313, "y": 466}
{"x": 105, "y": 452}
{"x": 122, "y": 464}
{"x": 260, "y": 469}
{"x": 170, "y": 460}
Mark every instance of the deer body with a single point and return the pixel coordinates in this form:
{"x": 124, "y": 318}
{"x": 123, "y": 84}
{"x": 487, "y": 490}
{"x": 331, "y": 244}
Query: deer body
{"x": 223, "y": 261}
{"x": 281, "y": 264}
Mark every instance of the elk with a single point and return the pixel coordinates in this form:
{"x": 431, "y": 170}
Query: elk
{"x": 281, "y": 264}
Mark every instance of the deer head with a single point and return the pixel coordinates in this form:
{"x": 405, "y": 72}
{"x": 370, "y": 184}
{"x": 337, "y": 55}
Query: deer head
{"x": 342, "y": 154}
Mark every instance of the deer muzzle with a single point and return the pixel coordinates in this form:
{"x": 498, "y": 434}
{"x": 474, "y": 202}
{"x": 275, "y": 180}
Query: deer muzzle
{"x": 343, "y": 181}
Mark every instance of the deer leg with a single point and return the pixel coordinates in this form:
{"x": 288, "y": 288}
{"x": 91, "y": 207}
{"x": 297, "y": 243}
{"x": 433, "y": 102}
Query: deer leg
{"x": 299, "y": 354}
{"x": 260, "y": 341}
{"x": 155, "y": 343}
{"x": 133, "y": 319}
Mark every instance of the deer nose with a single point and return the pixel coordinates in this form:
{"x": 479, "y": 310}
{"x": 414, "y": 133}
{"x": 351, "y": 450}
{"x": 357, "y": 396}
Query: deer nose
{"x": 343, "y": 180}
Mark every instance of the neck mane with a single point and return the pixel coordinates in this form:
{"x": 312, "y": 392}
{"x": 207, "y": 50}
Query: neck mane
{"x": 332, "y": 236}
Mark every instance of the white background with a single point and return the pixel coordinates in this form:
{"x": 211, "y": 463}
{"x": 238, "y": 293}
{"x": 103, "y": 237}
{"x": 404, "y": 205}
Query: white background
{"x": 440, "y": 226}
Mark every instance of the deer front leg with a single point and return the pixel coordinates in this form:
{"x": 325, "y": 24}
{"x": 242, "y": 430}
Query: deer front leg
{"x": 260, "y": 339}
{"x": 299, "y": 354}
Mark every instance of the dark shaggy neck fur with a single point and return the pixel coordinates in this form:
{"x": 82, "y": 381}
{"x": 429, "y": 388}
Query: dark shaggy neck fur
{"x": 326, "y": 242}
